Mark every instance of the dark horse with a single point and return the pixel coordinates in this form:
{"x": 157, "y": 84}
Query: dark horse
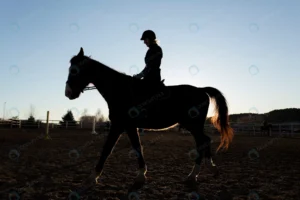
{"x": 266, "y": 128}
{"x": 132, "y": 107}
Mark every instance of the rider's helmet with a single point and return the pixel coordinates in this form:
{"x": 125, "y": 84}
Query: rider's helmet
{"x": 148, "y": 34}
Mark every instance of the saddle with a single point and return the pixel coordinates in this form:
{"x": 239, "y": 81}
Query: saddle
{"x": 150, "y": 89}
{"x": 156, "y": 87}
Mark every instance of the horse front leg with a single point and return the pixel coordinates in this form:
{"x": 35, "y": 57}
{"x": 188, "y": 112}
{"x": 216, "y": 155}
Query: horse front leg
{"x": 112, "y": 138}
{"x": 138, "y": 151}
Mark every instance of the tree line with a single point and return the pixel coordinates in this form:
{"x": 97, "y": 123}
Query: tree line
{"x": 287, "y": 115}
{"x": 69, "y": 120}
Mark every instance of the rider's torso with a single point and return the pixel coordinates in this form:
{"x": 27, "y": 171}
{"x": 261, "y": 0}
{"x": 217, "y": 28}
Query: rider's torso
{"x": 155, "y": 54}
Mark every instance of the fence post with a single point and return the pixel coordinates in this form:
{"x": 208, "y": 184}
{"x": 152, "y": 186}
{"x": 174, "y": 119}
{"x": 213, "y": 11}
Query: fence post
{"x": 66, "y": 124}
{"x": 20, "y": 124}
{"x": 94, "y": 127}
{"x": 81, "y": 124}
{"x": 47, "y": 127}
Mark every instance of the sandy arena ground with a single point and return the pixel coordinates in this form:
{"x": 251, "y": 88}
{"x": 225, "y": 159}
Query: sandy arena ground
{"x": 50, "y": 169}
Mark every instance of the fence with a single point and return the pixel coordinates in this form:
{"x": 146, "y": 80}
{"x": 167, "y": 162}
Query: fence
{"x": 287, "y": 129}
{"x": 53, "y": 124}
{"x": 291, "y": 129}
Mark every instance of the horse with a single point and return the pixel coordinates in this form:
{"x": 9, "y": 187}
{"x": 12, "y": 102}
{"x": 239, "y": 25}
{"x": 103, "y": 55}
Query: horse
{"x": 266, "y": 129}
{"x": 107, "y": 126}
{"x": 131, "y": 106}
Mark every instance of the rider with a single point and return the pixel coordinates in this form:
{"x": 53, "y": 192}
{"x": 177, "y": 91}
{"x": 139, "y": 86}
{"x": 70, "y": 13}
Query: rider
{"x": 153, "y": 57}
{"x": 265, "y": 123}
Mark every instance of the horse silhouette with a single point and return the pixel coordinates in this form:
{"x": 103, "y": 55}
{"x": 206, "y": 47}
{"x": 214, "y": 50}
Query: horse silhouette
{"x": 266, "y": 129}
{"x": 133, "y": 104}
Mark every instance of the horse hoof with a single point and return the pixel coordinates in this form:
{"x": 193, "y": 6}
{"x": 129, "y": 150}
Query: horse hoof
{"x": 92, "y": 179}
{"x": 140, "y": 180}
{"x": 136, "y": 186}
{"x": 190, "y": 181}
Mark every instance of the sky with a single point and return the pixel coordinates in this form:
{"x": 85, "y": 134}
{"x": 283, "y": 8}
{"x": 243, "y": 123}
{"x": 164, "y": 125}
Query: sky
{"x": 248, "y": 49}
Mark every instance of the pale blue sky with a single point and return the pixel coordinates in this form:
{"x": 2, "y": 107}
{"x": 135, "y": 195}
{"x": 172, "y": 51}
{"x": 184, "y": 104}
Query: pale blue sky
{"x": 221, "y": 39}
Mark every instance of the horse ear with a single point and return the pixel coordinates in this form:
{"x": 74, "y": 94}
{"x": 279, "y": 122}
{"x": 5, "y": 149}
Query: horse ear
{"x": 81, "y": 53}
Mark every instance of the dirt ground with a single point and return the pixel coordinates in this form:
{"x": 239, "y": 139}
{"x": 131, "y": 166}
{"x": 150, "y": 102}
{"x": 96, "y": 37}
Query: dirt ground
{"x": 35, "y": 168}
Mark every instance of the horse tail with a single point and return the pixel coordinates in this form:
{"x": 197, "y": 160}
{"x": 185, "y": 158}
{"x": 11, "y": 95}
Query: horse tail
{"x": 221, "y": 119}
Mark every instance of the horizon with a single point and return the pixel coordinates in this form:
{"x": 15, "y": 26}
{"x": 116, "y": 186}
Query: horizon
{"x": 247, "y": 50}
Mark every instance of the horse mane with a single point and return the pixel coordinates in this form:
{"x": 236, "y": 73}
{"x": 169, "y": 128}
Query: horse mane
{"x": 74, "y": 60}
{"x": 122, "y": 75}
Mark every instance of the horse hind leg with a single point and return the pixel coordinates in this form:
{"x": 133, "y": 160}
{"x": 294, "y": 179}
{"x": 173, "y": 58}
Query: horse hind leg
{"x": 202, "y": 151}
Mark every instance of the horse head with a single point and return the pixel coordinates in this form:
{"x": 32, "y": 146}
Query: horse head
{"x": 79, "y": 75}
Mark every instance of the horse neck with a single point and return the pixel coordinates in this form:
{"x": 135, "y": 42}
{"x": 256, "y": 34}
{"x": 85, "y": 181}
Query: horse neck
{"x": 109, "y": 82}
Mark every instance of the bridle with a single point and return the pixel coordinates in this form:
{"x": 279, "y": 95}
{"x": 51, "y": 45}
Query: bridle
{"x": 89, "y": 88}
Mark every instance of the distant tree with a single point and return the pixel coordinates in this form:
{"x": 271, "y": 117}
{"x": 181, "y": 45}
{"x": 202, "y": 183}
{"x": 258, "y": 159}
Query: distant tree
{"x": 68, "y": 118}
{"x": 275, "y": 116}
{"x": 15, "y": 118}
{"x": 87, "y": 119}
{"x": 31, "y": 122}
{"x": 32, "y": 111}
{"x": 85, "y": 112}
{"x": 99, "y": 117}
{"x": 31, "y": 119}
